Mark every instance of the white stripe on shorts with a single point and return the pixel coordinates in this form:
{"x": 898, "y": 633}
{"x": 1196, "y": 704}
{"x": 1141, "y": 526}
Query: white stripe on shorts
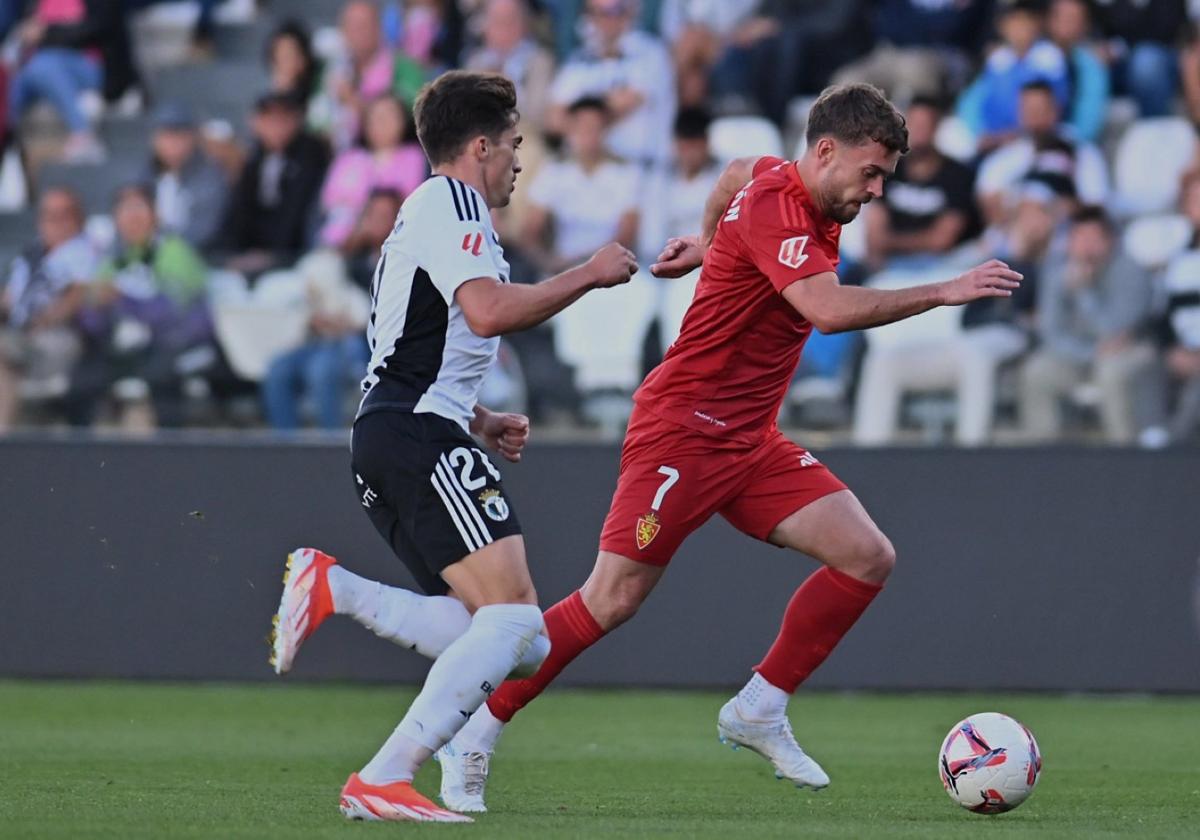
{"x": 470, "y": 539}
{"x": 456, "y": 485}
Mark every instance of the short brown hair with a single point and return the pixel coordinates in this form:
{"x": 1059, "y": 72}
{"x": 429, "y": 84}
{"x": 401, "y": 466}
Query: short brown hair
{"x": 857, "y": 114}
{"x": 459, "y": 105}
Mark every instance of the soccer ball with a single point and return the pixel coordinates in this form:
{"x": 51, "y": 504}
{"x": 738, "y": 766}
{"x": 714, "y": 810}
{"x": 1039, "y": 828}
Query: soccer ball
{"x": 989, "y": 763}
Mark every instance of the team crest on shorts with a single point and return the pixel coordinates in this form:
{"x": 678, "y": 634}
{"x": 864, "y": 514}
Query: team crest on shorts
{"x": 494, "y": 505}
{"x": 647, "y": 530}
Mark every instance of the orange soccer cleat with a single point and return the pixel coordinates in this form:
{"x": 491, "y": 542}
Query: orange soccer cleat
{"x": 306, "y": 602}
{"x": 397, "y": 801}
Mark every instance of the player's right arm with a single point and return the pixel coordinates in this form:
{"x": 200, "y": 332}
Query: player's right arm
{"x": 832, "y": 307}
{"x": 443, "y": 227}
{"x": 494, "y": 308}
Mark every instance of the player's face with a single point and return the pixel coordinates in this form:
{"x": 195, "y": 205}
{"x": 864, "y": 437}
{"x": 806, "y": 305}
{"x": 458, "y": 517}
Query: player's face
{"x": 853, "y": 176}
{"x": 501, "y": 165}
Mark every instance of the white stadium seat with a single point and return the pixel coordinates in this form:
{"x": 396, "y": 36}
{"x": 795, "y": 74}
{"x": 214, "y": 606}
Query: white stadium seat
{"x": 938, "y": 324}
{"x": 734, "y": 137}
{"x": 601, "y": 336}
{"x": 254, "y": 328}
{"x": 1151, "y": 158}
{"x": 1151, "y": 241}
{"x": 955, "y": 139}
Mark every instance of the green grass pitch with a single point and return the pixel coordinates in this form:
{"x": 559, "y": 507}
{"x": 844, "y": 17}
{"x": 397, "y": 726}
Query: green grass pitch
{"x": 162, "y": 761}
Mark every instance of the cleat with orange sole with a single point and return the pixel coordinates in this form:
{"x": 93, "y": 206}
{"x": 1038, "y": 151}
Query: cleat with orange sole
{"x": 306, "y": 602}
{"x": 398, "y": 801}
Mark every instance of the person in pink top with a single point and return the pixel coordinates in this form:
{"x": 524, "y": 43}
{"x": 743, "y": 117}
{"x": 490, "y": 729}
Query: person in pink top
{"x": 386, "y": 158}
{"x": 364, "y": 71}
{"x": 71, "y": 46}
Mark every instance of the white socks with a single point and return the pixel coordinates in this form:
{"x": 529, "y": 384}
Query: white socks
{"x": 458, "y": 683}
{"x": 760, "y": 701}
{"x": 427, "y": 624}
{"x": 481, "y": 732}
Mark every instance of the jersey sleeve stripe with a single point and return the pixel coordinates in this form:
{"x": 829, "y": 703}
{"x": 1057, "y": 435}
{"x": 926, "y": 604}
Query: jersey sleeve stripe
{"x": 473, "y": 215}
{"x": 454, "y": 194}
{"x": 785, "y": 211}
{"x": 466, "y": 203}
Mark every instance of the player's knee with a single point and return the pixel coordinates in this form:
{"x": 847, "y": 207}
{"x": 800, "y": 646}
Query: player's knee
{"x": 538, "y": 650}
{"x": 876, "y": 559}
{"x": 522, "y": 620}
{"x": 615, "y": 605}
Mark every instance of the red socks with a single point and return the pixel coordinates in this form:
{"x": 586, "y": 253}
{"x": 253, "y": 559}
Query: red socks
{"x": 572, "y": 630}
{"x": 819, "y": 614}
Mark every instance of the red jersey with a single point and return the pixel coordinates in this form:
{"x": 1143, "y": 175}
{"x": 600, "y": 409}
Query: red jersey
{"x": 729, "y": 370}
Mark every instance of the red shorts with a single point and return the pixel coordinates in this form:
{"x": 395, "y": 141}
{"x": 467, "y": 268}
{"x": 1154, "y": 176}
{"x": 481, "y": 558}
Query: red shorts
{"x": 673, "y": 479}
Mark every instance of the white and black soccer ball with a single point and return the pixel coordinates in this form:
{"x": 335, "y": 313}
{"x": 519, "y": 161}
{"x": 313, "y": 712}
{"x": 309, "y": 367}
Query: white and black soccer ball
{"x": 989, "y": 763}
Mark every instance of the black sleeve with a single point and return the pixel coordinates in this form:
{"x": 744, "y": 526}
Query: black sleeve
{"x": 959, "y": 186}
{"x": 101, "y": 20}
{"x": 240, "y": 209}
{"x": 295, "y": 225}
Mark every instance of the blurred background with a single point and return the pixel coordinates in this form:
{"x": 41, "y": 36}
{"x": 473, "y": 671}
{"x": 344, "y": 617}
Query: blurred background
{"x": 193, "y": 196}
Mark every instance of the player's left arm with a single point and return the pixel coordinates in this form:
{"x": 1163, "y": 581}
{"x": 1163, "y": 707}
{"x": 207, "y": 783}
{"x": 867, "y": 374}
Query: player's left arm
{"x": 504, "y": 432}
{"x": 832, "y": 307}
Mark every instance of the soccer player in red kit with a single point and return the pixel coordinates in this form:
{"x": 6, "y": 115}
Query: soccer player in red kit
{"x": 703, "y": 440}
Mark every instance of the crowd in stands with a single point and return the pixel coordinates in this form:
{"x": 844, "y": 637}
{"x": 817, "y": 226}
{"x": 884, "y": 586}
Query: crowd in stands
{"x": 189, "y": 238}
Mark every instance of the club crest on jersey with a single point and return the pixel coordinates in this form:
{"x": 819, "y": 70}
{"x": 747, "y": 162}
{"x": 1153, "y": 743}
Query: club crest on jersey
{"x": 791, "y": 251}
{"x": 494, "y": 505}
{"x": 647, "y": 530}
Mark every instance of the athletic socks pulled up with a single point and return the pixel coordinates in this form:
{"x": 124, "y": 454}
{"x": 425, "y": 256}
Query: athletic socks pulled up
{"x": 427, "y": 624}
{"x": 821, "y": 612}
{"x": 458, "y": 683}
{"x": 572, "y": 630}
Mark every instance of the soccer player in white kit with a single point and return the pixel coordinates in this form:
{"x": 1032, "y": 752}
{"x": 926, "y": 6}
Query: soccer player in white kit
{"x": 441, "y": 298}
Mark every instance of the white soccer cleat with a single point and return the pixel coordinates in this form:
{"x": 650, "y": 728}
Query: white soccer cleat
{"x": 464, "y": 777}
{"x": 775, "y": 742}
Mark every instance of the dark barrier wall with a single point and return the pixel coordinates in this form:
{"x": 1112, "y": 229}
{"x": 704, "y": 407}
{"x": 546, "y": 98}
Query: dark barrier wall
{"x": 1049, "y": 569}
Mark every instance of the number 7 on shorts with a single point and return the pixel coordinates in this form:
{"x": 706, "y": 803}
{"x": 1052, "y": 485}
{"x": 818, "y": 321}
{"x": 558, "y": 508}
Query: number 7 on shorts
{"x": 672, "y": 475}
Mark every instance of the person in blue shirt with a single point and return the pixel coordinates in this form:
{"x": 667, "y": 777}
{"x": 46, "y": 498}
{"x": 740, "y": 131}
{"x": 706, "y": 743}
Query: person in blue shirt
{"x": 1069, "y": 25}
{"x": 989, "y": 105}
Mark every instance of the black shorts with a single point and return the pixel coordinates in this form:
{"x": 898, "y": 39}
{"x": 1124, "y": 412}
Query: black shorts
{"x": 430, "y": 491}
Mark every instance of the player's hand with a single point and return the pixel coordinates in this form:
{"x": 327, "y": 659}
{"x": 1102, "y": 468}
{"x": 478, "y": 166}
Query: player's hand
{"x": 992, "y": 279}
{"x": 681, "y": 255}
{"x": 612, "y": 265}
{"x": 505, "y": 433}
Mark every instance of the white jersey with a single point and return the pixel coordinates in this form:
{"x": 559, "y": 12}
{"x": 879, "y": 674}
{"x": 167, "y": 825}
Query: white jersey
{"x": 424, "y": 357}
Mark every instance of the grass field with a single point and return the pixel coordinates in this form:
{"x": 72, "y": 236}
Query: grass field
{"x": 148, "y": 760}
